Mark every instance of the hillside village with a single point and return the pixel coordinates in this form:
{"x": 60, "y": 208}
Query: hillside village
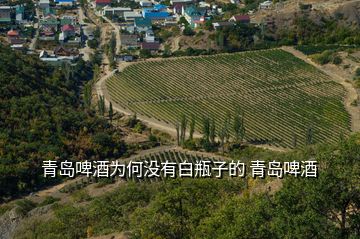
{"x": 66, "y": 30}
{"x": 59, "y": 31}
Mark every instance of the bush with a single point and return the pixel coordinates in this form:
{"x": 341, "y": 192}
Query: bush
{"x": 48, "y": 200}
{"x": 190, "y": 144}
{"x": 24, "y": 206}
{"x": 139, "y": 127}
{"x": 357, "y": 72}
{"x": 81, "y": 196}
{"x": 93, "y": 43}
{"x": 152, "y": 138}
{"x": 188, "y": 31}
{"x": 323, "y": 58}
{"x": 337, "y": 60}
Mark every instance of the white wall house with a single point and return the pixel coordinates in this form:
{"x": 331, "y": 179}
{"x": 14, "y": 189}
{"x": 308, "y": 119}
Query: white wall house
{"x": 265, "y": 5}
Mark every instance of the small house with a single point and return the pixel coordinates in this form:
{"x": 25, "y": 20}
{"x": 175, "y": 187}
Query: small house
{"x": 131, "y": 16}
{"x": 142, "y": 24}
{"x": 49, "y": 12}
{"x": 49, "y": 22}
{"x": 5, "y": 14}
{"x": 243, "y": 19}
{"x": 177, "y": 8}
{"x": 19, "y": 17}
{"x": 68, "y": 30}
{"x": 145, "y": 3}
{"x": 62, "y": 51}
{"x": 115, "y": 11}
{"x": 68, "y": 3}
{"x": 44, "y": 4}
{"x": 149, "y": 36}
{"x": 194, "y": 15}
{"x": 102, "y": 3}
{"x": 265, "y": 5}
{"x": 157, "y": 12}
{"x": 14, "y": 38}
{"x": 173, "y": 2}
{"x": 126, "y": 58}
{"x": 151, "y": 46}
{"x": 129, "y": 41}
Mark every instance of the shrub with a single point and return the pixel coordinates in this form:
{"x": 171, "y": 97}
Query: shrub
{"x": 188, "y": 31}
{"x": 337, "y": 60}
{"x": 48, "y": 200}
{"x": 81, "y": 196}
{"x": 24, "y": 206}
{"x": 93, "y": 43}
{"x": 357, "y": 72}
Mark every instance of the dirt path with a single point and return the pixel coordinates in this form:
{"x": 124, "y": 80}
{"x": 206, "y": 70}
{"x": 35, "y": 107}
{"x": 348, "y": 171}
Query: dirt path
{"x": 339, "y": 77}
{"x": 116, "y": 30}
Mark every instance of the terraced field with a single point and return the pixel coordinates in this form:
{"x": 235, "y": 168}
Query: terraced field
{"x": 281, "y": 95}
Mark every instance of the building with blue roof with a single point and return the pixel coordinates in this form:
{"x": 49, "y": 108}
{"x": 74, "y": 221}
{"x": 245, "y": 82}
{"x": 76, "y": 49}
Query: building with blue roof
{"x": 143, "y": 24}
{"x": 194, "y": 15}
{"x": 20, "y": 11}
{"x": 157, "y": 12}
{"x": 160, "y": 7}
{"x": 65, "y": 2}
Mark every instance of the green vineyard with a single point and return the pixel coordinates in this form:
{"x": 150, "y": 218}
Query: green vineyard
{"x": 282, "y": 97}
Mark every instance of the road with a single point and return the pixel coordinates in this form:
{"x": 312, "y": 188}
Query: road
{"x": 32, "y": 45}
{"x": 86, "y": 51}
{"x": 117, "y": 34}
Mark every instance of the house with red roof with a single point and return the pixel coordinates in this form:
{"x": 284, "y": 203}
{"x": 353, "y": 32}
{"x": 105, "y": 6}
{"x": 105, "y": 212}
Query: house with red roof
{"x": 102, "y": 3}
{"x": 177, "y": 8}
{"x": 244, "y": 19}
{"x": 14, "y": 37}
{"x": 66, "y": 31}
{"x": 12, "y": 33}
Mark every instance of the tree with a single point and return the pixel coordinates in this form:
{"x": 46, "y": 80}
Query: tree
{"x": 183, "y": 21}
{"x": 183, "y": 125}
{"x": 101, "y": 105}
{"x": 222, "y": 135}
{"x": 111, "y": 112}
{"x": 192, "y": 127}
{"x": 177, "y": 128}
{"x": 145, "y": 53}
{"x": 188, "y": 31}
{"x": 294, "y": 140}
{"x": 206, "y": 129}
{"x": 327, "y": 206}
{"x": 227, "y": 126}
{"x": 87, "y": 95}
{"x": 212, "y": 133}
{"x": 239, "y": 127}
{"x": 309, "y": 136}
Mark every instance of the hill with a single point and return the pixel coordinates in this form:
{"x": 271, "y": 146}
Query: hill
{"x": 280, "y": 96}
{"x": 41, "y": 118}
{"x": 217, "y": 208}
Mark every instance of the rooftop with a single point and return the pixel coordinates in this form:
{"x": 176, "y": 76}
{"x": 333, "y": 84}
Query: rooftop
{"x": 150, "y": 45}
{"x": 12, "y": 33}
{"x": 143, "y": 22}
{"x": 241, "y": 17}
{"x": 103, "y": 1}
{"x": 68, "y": 27}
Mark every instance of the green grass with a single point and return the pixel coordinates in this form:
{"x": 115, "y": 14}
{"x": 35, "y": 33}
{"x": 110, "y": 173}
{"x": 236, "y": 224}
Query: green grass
{"x": 281, "y": 95}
